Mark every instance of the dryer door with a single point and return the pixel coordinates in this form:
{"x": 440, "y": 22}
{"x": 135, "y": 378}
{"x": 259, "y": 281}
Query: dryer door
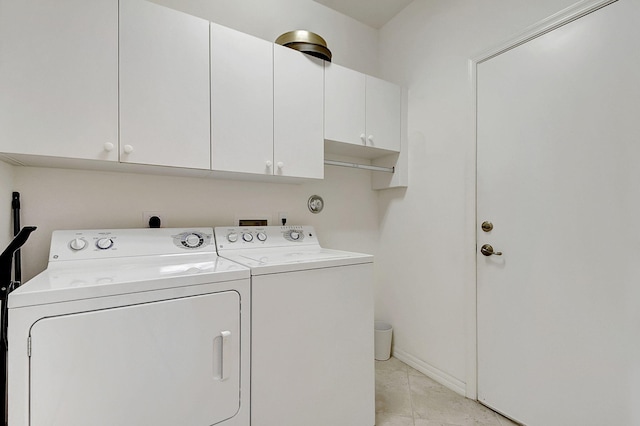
{"x": 171, "y": 362}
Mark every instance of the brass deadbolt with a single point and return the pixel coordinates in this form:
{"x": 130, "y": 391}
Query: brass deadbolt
{"x": 487, "y": 226}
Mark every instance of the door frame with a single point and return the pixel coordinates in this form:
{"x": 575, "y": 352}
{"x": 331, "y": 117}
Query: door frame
{"x": 563, "y": 17}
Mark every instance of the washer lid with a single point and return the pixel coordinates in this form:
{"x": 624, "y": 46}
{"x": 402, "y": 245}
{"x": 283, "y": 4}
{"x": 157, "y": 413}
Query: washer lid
{"x": 277, "y": 260}
{"x": 75, "y": 280}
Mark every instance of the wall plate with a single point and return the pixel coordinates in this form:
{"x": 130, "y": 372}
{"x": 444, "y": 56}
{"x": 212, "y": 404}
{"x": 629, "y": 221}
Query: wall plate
{"x": 315, "y": 204}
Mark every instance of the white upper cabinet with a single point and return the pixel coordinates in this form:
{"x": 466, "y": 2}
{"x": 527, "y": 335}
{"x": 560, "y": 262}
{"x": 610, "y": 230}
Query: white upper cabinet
{"x": 59, "y": 78}
{"x": 362, "y": 110}
{"x": 266, "y": 107}
{"x": 131, "y": 81}
{"x": 344, "y": 109}
{"x": 383, "y": 107}
{"x": 241, "y": 102}
{"x": 164, "y": 86}
{"x": 298, "y": 148}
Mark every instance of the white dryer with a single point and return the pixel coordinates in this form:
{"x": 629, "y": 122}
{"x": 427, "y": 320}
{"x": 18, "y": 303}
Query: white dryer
{"x": 312, "y": 359}
{"x": 131, "y": 327}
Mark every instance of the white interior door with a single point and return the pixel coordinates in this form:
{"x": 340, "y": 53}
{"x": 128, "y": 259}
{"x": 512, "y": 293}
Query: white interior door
{"x": 172, "y": 362}
{"x": 558, "y": 176}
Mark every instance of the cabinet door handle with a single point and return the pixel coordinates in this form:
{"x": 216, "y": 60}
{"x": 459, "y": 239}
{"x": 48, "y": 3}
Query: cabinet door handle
{"x": 370, "y": 139}
{"x": 280, "y": 164}
{"x": 108, "y": 146}
{"x": 363, "y": 138}
{"x": 128, "y": 149}
{"x": 269, "y": 163}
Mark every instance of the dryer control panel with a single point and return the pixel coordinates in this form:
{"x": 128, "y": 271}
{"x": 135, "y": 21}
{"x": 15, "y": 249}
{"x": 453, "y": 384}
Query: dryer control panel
{"x": 247, "y": 237}
{"x": 111, "y": 243}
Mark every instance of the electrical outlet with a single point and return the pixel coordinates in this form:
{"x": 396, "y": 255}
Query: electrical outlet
{"x": 282, "y": 216}
{"x": 148, "y": 215}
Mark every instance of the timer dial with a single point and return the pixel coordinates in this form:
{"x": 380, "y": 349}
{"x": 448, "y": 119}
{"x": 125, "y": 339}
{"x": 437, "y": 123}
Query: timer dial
{"x": 247, "y": 237}
{"x": 262, "y": 236}
{"x": 192, "y": 241}
{"x": 295, "y": 235}
{"x": 232, "y": 237}
{"x": 104, "y": 243}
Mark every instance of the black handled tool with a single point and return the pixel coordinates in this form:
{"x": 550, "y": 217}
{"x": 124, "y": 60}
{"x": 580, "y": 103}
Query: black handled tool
{"x": 17, "y": 265}
{"x": 6, "y": 286}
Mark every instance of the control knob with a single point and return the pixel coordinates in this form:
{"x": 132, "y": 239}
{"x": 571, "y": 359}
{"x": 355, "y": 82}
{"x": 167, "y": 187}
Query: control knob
{"x": 104, "y": 243}
{"x": 232, "y": 237}
{"x": 192, "y": 241}
{"x": 262, "y": 236}
{"x": 77, "y": 244}
{"x": 294, "y": 235}
{"x": 247, "y": 237}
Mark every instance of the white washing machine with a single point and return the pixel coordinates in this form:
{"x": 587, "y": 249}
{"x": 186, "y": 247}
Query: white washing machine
{"x": 131, "y": 327}
{"x": 312, "y": 354}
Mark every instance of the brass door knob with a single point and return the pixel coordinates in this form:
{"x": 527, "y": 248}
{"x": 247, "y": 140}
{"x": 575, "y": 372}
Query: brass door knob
{"x": 487, "y": 250}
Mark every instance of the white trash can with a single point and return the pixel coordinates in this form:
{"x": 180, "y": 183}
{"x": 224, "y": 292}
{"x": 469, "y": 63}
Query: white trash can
{"x": 383, "y": 333}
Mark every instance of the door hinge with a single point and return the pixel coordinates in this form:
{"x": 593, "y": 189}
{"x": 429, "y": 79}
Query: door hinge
{"x": 29, "y": 346}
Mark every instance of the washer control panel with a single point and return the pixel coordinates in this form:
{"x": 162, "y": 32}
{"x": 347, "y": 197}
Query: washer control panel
{"x": 110, "y": 243}
{"x": 246, "y": 237}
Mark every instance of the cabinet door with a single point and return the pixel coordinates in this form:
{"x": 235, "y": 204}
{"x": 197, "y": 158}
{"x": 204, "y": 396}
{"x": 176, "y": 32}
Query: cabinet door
{"x": 344, "y": 105}
{"x": 241, "y": 102}
{"x": 164, "y": 86}
{"x": 298, "y": 148}
{"x": 59, "y": 78}
{"x": 384, "y": 101}
{"x": 165, "y": 363}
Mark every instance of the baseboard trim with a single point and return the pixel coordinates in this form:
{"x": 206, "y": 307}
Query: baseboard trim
{"x": 432, "y": 372}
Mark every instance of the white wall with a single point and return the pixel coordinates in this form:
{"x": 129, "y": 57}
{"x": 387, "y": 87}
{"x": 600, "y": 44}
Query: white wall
{"x": 74, "y": 199}
{"x": 426, "y": 257}
{"x": 6, "y": 190}
{"x": 64, "y": 199}
{"x": 352, "y": 43}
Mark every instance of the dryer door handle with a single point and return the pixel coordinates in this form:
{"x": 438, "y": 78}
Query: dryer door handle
{"x": 224, "y": 356}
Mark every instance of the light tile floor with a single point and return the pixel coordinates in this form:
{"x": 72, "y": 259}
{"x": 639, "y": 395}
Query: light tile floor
{"x": 406, "y": 397}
